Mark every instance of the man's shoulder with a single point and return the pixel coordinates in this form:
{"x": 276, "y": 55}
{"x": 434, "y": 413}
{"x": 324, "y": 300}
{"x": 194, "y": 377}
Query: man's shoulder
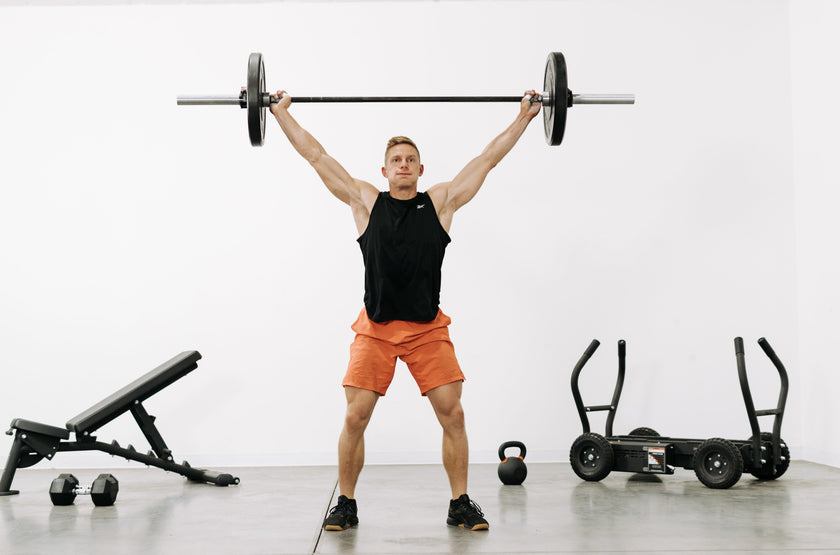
{"x": 437, "y": 194}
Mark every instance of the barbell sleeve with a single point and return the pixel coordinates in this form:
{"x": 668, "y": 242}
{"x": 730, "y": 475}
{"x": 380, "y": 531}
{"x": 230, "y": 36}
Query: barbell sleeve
{"x": 208, "y": 100}
{"x": 603, "y": 99}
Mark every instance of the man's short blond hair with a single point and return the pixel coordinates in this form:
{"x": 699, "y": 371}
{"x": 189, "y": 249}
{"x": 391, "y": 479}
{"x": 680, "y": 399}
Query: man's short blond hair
{"x": 399, "y": 140}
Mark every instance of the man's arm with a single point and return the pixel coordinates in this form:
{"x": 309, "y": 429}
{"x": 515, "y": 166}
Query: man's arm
{"x": 358, "y": 194}
{"x": 450, "y": 196}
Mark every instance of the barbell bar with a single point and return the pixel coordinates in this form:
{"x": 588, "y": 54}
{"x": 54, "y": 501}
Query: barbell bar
{"x": 208, "y": 100}
{"x": 255, "y": 99}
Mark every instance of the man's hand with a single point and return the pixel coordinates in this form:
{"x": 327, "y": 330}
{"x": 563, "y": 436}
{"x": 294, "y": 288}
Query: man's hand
{"x": 529, "y": 108}
{"x": 285, "y": 102}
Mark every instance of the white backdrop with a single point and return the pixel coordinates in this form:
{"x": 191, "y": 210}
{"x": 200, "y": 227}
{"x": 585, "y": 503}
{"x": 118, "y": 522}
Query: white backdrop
{"x": 817, "y": 190}
{"x": 133, "y": 229}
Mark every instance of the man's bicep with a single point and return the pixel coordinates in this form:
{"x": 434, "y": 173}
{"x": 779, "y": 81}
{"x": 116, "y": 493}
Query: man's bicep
{"x": 466, "y": 184}
{"x": 338, "y": 180}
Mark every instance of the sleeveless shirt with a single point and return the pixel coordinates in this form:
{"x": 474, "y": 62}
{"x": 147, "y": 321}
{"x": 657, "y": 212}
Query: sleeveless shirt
{"x": 402, "y": 249}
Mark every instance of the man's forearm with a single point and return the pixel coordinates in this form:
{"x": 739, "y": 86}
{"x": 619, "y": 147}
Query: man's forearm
{"x": 507, "y": 139}
{"x": 302, "y": 141}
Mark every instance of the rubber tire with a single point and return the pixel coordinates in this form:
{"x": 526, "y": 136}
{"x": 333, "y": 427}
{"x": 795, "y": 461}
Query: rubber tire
{"x": 592, "y": 457}
{"x": 767, "y": 472}
{"x": 718, "y": 463}
{"x": 643, "y": 431}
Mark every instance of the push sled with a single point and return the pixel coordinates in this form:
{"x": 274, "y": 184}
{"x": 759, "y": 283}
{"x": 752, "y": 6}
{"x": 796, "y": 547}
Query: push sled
{"x": 717, "y": 462}
{"x": 34, "y": 441}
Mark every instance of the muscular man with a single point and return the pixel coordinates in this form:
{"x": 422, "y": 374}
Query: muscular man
{"x": 403, "y": 234}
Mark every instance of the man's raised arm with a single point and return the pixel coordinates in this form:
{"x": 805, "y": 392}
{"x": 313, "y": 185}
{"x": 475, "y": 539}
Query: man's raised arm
{"x": 335, "y": 177}
{"x": 450, "y": 196}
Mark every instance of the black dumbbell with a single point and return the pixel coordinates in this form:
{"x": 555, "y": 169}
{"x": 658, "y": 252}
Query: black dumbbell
{"x": 103, "y": 491}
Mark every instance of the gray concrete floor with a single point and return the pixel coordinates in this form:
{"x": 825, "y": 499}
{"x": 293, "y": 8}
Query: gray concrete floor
{"x": 402, "y": 509}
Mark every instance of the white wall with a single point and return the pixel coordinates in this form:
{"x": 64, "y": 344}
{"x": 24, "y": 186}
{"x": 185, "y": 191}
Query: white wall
{"x": 134, "y": 229}
{"x": 816, "y": 116}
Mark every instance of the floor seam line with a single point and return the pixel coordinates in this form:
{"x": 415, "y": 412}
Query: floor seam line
{"x": 325, "y": 512}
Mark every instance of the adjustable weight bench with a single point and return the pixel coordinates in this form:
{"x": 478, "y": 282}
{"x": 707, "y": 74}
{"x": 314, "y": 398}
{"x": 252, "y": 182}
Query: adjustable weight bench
{"x": 34, "y": 441}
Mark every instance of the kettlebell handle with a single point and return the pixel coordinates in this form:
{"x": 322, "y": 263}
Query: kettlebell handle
{"x": 507, "y": 444}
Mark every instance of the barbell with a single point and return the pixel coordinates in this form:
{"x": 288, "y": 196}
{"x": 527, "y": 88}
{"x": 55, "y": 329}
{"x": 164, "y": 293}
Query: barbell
{"x": 556, "y": 98}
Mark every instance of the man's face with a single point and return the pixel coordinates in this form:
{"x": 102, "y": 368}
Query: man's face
{"x": 402, "y": 166}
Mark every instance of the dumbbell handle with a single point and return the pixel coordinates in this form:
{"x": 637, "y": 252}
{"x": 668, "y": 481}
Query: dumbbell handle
{"x": 82, "y": 490}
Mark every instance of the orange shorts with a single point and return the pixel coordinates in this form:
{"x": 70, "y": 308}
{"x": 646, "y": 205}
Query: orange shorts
{"x": 424, "y": 347}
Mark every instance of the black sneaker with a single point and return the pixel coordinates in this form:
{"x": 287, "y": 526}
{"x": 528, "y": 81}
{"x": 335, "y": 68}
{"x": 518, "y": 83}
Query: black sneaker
{"x": 466, "y": 514}
{"x": 342, "y": 516}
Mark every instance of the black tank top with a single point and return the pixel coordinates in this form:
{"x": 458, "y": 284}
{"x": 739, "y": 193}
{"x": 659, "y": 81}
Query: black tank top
{"x": 403, "y": 249}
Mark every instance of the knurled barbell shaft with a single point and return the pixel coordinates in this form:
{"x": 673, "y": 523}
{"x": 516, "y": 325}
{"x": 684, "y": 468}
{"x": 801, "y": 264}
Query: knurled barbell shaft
{"x": 576, "y": 99}
{"x": 340, "y": 99}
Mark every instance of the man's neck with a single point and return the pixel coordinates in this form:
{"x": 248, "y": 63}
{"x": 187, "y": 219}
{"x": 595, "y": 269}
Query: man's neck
{"x": 403, "y": 193}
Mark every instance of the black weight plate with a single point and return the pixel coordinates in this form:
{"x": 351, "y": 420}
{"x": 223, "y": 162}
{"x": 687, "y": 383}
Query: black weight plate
{"x": 556, "y": 84}
{"x": 253, "y": 97}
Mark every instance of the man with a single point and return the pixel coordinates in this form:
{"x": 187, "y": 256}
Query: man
{"x": 403, "y": 235}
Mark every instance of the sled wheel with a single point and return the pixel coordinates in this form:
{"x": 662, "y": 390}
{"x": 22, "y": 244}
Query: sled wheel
{"x": 718, "y": 463}
{"x": 643, "y": 431}
{"x": 592, "y": 457}
{"x": 767, "y": 470}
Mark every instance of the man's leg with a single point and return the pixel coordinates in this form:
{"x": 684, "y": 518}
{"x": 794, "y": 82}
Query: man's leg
{"x": 463, "y": 512}
{"x": 351, "y": 456}
{"x": 351, "y": 442}
{"x": 446, "y": 401}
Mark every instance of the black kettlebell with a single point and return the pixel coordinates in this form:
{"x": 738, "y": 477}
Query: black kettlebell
{"x": 512, "y": 470}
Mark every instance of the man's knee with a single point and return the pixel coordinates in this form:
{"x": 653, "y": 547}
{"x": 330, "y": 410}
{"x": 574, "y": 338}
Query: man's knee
{"x": 446, "y": 401}
{"x": 360, "y": 404}
{"x": 355, "y": 421}
{"x": 452, "y": 412}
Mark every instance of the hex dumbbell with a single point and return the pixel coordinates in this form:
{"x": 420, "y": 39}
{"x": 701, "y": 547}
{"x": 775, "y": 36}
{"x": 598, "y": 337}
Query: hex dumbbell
{"x": 103, "y": 491}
